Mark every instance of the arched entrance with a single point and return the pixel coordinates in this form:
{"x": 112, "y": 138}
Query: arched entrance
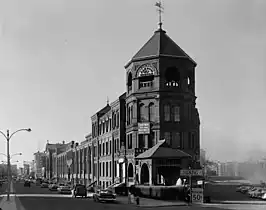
{"x": 130, "y": 170}
{"x": 144, "y": 174}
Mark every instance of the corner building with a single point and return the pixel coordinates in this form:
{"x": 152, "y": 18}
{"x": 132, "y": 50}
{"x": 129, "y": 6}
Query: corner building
{"x": 156, "y": 127}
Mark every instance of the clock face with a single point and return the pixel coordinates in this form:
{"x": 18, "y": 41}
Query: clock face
{"x": 145, "y": 70}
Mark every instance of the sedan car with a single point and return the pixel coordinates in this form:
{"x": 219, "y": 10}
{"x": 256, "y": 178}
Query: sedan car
{"x": 104, "y": 195}
{"x": 64, "y": 189}
{"x": 53, "y": 187}
{"x": 26, "y": 184}
{"x": 44, "y": 185}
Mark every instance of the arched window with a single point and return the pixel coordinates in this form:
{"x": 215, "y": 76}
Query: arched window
{"x": 146, "y": 76}
{"x": 151, "y": 112}
{"x": 172, "y": 77}
{"x": 167, "y": 112}
{"x": 129, "y": 82}
{"x": 142, "y": 112}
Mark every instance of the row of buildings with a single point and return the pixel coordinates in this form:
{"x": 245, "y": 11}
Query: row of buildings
{"x": 147, "y": 135}
{"x": 3, "y": 170}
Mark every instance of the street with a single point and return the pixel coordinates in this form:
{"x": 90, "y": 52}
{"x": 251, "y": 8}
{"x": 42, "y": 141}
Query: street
{"x": 35, "y": 197}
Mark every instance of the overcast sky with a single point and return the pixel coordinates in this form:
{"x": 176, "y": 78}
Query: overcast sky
{"x": 60, "y": 59}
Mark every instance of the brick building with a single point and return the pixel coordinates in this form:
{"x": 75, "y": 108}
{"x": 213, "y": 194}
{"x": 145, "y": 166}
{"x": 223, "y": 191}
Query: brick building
{"x": 149, "y": 133}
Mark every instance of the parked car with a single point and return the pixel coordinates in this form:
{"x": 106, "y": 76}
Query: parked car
{"x": 104, "y": 195}
{"x": 79, "y": 190}
{"x": 53, "y": 187}
{"x": 27, "y": 184}
{"x": 64, "y": 189}
{"x": 44, "y": 185}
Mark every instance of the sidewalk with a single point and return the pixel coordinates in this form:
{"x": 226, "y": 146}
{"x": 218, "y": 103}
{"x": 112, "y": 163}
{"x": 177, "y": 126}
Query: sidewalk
{"x": 148, "y": 202}
{"x": 8, "y": 205}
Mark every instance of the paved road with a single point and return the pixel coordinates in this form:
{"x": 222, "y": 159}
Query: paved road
{"x": 33, "y": 189}
{"x": 36, "y": 197}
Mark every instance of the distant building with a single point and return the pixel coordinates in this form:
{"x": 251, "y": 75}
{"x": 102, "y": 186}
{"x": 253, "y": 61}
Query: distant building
{"x": 26, "y": 169}
{"x": 202, "y": 157}
{"x": 228, "y": 169}
{"x": 39, "y": 163}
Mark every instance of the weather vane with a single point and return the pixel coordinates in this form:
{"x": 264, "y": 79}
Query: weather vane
{"x": 160, "y": 10}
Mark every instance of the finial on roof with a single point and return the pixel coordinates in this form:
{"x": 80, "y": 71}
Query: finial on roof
{"x": 107, "y": 100}
{"x": 160, "y": 10}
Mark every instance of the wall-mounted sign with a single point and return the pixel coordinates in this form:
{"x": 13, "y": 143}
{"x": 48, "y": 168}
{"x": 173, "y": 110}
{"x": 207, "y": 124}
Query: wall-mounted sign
{"x": 144, "y": 128}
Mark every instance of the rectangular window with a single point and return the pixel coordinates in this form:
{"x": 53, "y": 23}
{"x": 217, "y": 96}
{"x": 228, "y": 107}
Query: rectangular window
{"x": 166, "y": 112}
{"x": 106, "y": 165}
{"x": 167, "y": 136}
{"x": 100, "y": 129}
{"x": 130, "y": 141}
{"x": 106, "y": 124}
{"x": 118, "y": 119}
{"x": 103, "y": 168}
{"x": 141, "y": 141}
{"x": 176, "y": 113}
{"x": 115, "y": 168}
{"x": 176, "y": 143}
{"x": 110, "y": 169}
{"x": 103, "y": 148}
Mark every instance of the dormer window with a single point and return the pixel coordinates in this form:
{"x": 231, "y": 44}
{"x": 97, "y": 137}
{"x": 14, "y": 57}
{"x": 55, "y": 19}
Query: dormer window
{"x": 146, "y": 76}
{"x": 172, "y": 77}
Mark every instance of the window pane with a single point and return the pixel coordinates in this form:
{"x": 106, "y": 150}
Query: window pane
{"x": 176, "y": 140}
{"x": 151, "y": 112}
{"x": 176, "y": 113}
{"x": 167, "y": 136}
{"x": 143, "y": 116}
{"x": 166, "y": 112}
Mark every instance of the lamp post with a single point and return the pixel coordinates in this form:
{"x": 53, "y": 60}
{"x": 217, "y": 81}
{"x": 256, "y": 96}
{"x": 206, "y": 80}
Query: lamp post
{"x": 8, "y": 136}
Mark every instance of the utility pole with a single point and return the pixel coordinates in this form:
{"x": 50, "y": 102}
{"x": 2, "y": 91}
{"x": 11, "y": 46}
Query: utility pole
{"x": 8, "y": 166}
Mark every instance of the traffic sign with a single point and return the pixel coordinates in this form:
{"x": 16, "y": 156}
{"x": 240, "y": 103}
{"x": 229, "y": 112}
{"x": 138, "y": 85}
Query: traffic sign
{"x": 191, "y": 172}
{"x": 197, "y": 195}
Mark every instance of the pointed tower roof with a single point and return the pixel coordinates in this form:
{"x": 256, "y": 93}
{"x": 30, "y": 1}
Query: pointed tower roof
{"x": 160, "y": 45}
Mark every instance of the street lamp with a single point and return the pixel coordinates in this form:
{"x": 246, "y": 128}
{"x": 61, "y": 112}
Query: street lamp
{"x": 11, "y": 155}
{"x": 8, "y": 137}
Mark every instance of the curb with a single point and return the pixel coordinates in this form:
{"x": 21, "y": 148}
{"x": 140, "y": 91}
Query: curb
{"x": 237, "y": 202}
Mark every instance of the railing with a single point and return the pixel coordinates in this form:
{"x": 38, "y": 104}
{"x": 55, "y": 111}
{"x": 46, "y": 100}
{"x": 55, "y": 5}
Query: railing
{"x": 145, "y": 84}
{"x": 139, "y": 151}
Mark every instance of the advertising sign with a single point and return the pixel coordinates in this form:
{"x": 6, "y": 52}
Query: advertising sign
{"x": 191, "y": 172}
{"x": 144, "y": 128}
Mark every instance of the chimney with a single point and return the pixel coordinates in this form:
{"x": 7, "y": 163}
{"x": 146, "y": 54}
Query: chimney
{"x": 72, "y": 144}
{"x": 63, "y": 142}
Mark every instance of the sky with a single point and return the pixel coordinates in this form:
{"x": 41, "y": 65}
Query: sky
{"x": 61, "y": 59}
